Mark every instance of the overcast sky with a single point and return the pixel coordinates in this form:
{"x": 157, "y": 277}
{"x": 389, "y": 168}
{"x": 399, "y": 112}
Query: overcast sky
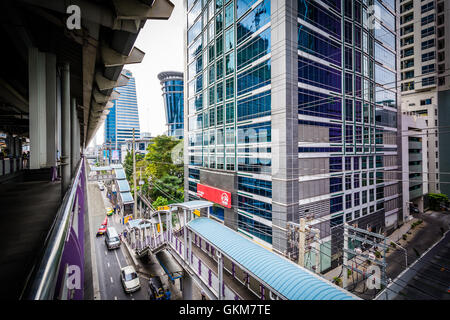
{"x": 162, "y": 42}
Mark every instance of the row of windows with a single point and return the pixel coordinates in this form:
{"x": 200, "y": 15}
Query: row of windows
{"x": 256, "y": 19}
{"x": 255, "y": 228}
{"x": 254, "y": 133}
{"x": 254, "y": 78}
{"x": 254, "y": 49}
{"x": 319, "y": 75}
{"x": 255, "y": 186}
{"x": 314, "y": 43}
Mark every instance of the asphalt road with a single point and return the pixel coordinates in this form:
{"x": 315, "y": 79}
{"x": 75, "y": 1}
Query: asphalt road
{"x": 109, "y": 262}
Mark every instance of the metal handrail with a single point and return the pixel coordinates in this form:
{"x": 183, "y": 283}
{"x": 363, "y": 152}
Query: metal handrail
{"x": 44, "y": 273}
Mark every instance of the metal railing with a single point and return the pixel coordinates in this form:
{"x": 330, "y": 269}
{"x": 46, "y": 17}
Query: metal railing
{"x": 41, "y": 282}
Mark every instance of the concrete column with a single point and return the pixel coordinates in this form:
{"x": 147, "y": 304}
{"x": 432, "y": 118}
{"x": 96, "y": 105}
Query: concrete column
{"x": 220, "y": 274}
{"x": 51, "y": 117}
{"x": 58, "y": 116}
{"x": 37, "y": 107}
{"x": 186, "y": 286}
{"x": 65, "y": 129}
{"x": 284, "y": 111}
{"x": 184, "y": 234}
{"x": 73, "y": 134}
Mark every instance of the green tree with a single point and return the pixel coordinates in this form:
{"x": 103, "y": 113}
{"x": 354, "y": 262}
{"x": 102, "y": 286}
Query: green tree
{"x": 159, "y": 202}
{"x": 159, "y": 158}
{"x": 436, "y": 199}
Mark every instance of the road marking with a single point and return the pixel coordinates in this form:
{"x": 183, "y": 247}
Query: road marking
{"x": 106, "y": 253}
{"x": 115, "y": 298}
{"x": 108, "y": 264}
{"x": 112, "y": 281}
{"x": 115, "y": 252}
{"x": 132, "y": 298}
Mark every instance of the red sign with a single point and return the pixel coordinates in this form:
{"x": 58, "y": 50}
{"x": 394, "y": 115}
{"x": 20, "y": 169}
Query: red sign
{"x": 215, "y": 195}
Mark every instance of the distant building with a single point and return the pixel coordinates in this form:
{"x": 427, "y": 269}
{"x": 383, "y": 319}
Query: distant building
{"x": 414, "y": 163}
{"x": 172, "y": 88}
{"x": 140, "y": 146}
{"x": 123, "y": 116}
{"x": 425, "y": 82}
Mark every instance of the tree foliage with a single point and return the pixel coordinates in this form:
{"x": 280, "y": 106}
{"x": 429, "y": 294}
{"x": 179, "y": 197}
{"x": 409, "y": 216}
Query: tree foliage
{"x": 161, "y": 176}
{"x": 436, "y": 199}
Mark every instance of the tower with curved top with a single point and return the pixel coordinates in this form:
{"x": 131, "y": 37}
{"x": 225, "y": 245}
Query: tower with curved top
{"x": 172, "y": 92}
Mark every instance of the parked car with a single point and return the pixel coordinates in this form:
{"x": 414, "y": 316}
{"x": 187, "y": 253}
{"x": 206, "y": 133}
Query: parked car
{"x": 130, "y": 279}
{"x": 102, "y": 229}
{"x": 109, "y": 211}
{"x": 414, "y": 210}
{"x": 156, "y": 289}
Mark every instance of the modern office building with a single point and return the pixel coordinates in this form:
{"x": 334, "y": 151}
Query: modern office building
{"x": 414, "y": 158}
{"x": 123, "y": 116}
{"x": 292, "y": 112}
{"x": 425, "y": 82}
{"x": 172, "y": 88}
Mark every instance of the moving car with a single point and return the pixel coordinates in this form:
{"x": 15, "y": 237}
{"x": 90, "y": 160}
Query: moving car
{"x": 156, "y": 290}
{"x": 130, "y": 279}
{"x": 101, "y": 186}
{"x": 102, "y": 229}
{"x": 112, "y": 239}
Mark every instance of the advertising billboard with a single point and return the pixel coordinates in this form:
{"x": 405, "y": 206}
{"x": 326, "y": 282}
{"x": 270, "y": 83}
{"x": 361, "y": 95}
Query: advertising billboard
{"x": 215, "y": 195}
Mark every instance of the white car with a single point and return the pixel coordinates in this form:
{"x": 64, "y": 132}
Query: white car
{"x": 101, "y": 186}
{"x": 130, "y": 279}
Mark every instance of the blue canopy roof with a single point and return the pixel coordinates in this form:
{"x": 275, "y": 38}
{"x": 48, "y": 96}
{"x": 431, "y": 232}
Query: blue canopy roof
{"x": 281, "y": 275}
{"x": 123, "y": 185}
{"x": 126, "y": 197}
{"x": 120, "y": 174}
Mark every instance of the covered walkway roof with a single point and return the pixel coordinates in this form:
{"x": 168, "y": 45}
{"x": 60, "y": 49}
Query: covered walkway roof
{"x": 120, "y": 174}
{"x": 123, "y": 185}
{"x": 282, "y": 276}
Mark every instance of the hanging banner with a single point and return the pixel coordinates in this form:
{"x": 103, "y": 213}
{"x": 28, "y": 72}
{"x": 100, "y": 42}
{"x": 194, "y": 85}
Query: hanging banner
{"x": 215, "y": 195}
{"x": 115, "y": 155}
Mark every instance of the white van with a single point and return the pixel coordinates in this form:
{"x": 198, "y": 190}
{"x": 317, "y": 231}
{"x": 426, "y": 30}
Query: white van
{"x": 112, "y": 239}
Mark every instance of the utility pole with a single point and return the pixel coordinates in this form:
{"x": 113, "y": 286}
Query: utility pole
{"x": 301, "y": 243}
{"x": 317, "y": 247}
{"x": 345, "y": 262}
{"x": 134, "y": 178}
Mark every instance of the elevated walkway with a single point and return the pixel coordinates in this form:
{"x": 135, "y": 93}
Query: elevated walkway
{"x": 29, "y": 203}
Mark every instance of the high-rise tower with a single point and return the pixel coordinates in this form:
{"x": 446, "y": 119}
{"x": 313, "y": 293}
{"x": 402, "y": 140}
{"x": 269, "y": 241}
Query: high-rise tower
{"x": 123, "y": 116}
{"x": 172, "y": 88}
{"x": 292, "y": 112}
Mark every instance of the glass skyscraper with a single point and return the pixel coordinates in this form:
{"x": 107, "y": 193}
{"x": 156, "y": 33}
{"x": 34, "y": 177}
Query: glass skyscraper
{"x": 292, "y": 109}
{"x": 123, "y": 116}
{"x": 172, "y": 88}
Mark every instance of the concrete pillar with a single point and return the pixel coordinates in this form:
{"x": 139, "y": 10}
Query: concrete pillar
{"x": 58, "y": 116}
{"x": 51, "y": 116}
{"x": 37, "y": 107}
{"x": 184, "y": 234}
{"x": 186, "y": 286}
{"x": 220, "y": 274}
{"x": 73, "y": 134}
{"x": 65, "y": 129}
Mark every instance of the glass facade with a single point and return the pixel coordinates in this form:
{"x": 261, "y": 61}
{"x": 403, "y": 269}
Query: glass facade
{"x": 172, "y": 88}
{"x": 346, "y": 63}
{"x": 123, "y": 116}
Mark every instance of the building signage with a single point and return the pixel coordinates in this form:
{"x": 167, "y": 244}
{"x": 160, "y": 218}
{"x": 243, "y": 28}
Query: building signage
{"x": 215, "y": 195}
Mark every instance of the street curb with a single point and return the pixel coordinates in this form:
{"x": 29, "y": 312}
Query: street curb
{"x": 130, "y": 253}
